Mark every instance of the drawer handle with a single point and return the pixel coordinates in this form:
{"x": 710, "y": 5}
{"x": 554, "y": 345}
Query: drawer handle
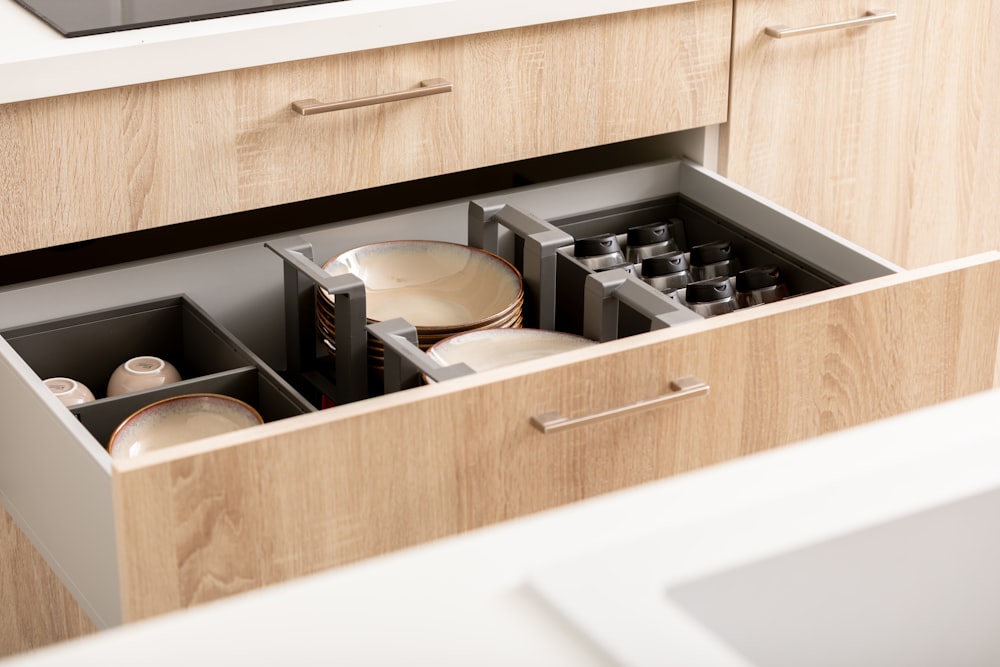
{"x": 874, "y": 16}
{"x": 427, "y": 87}
{"x": 682, "y": 389}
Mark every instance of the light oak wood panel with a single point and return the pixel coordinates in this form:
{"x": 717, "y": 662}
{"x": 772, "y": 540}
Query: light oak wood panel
{"x": 206, "y": 520}
{"x": 35, "y": 608}
{"x": 887, "y": 135}
{"x": 94, "y": 164}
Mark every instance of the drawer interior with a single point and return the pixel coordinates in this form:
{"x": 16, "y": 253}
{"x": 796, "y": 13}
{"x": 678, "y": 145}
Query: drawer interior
{"x": 89, "y": 347}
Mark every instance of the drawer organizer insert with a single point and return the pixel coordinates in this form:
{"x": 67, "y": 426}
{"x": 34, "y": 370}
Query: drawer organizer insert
{"x": 209, "y": 359}
{"x": 561, "y": 292}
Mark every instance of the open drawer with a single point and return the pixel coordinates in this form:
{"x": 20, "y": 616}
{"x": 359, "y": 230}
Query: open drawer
{"x": 210, "y": 518}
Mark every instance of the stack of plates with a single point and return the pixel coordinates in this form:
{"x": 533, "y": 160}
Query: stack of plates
{"x": 442, "y": 289}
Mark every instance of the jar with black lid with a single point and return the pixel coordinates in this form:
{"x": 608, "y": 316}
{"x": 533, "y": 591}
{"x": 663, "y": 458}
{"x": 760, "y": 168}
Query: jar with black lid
{"x": 666, "y": 272}
{"x": 713, "y": 260}
{"x": 645, "y": 241}
{"x": 759, "y": 285}
{"x": 599, "y": 252}
{"x": 711, "y": 297}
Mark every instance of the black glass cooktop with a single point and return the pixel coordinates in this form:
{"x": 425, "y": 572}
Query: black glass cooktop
{"x": 75, "y": 18}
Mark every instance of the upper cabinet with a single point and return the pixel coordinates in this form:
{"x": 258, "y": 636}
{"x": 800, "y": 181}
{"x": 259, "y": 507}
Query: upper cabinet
{"x": 111, "y": 161}
{"x": 886, "y": 133}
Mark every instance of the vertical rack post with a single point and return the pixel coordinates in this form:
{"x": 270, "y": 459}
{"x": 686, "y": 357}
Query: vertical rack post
{"x": 302, "y": 277}
{"x": 540, "y": 241}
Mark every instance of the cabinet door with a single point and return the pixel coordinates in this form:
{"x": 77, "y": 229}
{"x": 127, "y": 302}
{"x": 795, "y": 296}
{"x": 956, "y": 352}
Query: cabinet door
{"x": 199, "y": 522}
{"x": 885, "y": 134}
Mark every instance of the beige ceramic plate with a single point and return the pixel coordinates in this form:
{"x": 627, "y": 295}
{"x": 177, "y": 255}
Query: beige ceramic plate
{"x": 432, "y": 284}
{"x": 493, "y": 348}
{"x": 328, "y": 330}
{"x": 173, "y": 421}
{"x": 326, "y": 313}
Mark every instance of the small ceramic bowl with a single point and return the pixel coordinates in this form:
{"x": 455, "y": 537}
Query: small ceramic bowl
{"x": 180, "y": 419}
{"x": 69, "y": 391}
{"x": 140, "y": 373}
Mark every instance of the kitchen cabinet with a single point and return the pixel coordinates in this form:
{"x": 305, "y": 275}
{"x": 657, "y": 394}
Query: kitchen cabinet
{"x": 902, "y": 115}
{"x": 217, "y": 517}
{"x": 112, "y": 161}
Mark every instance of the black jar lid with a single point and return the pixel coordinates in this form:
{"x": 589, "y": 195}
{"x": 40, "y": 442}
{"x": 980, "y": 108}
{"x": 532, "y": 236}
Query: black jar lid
{"x": 594, "y": 246}
{"x": 711, "y": 253}
{"x": 665, "y": 264}
{"x": 654, "y": 232}
{"x": 706, "y": 291}
{"x": 757, "y": 277}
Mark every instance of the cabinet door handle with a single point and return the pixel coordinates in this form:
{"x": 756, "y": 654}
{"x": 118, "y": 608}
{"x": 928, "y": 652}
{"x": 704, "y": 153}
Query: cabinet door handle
{"x": 681, "y": 389}
{"x": 427, "y": 87}
{"x": 872, "y": 16}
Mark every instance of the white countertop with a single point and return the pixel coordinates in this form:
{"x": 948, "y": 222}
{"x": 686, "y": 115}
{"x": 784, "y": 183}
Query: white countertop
{"x": 36, "y": 61}
{"x": 624, "y": 578}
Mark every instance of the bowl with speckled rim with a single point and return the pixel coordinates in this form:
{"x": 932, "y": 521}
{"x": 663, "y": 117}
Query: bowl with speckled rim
{"x": 177, "y": 420}
{"x": 492, "y": 348}
{"x": 435, "y": 285}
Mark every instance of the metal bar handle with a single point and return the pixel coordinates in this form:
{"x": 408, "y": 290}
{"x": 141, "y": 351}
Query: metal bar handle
{"x": 681, "y": 390}
{"x": 427, "y": 87}
{"x": 870, "y": 17}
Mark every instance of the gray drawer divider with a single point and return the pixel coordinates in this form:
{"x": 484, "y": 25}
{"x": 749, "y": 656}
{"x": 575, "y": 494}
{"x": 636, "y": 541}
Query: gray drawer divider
{"x": 605, "y": 290}
{"x": 538, "y": 241}
{"x": 405, "y": 361}
{"x": 301, "y": 278}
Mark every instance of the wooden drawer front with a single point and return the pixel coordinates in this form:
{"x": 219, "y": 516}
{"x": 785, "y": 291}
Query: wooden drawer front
{"x": 323, "y": 490}
{"x": 898, "y": 149}
{"x": 112, "y": 161}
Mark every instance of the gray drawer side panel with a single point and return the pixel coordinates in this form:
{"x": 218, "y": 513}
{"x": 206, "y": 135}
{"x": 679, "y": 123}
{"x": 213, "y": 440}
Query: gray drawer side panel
{"x": 58, "y": 490}
{"x": 792, "y": 233}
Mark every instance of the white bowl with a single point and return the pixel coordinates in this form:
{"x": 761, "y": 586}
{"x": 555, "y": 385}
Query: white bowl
{"x": 180, "y": 419}
{"x": 69, "y": 391}
{"x": 140, "y": 373}
{"x": 432, "y": 284}
{"x": 493, "y": 348}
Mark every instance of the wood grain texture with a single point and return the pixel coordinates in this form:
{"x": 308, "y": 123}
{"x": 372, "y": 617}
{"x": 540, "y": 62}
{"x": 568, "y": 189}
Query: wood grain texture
{"x": 107, "y": 162}
{"x": 35, "y": 608}
{"x": 321, "y": 490}
{"x": 887, "y": 135}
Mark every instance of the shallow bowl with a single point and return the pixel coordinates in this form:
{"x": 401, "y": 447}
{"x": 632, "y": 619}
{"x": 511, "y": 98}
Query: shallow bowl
{"x": 493, "y": 348}
{"x": 180, "y": 419}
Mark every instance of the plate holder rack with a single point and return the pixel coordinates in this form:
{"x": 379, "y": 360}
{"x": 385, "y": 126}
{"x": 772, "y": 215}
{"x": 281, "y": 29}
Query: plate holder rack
{"x": 536, "y": 246}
